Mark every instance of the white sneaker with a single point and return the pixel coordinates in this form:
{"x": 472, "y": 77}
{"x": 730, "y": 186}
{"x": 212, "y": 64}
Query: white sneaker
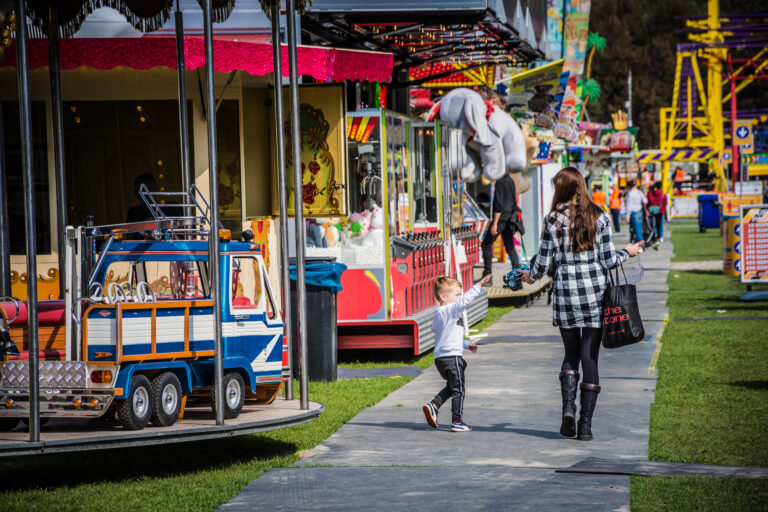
{"x": 430, "y": 413}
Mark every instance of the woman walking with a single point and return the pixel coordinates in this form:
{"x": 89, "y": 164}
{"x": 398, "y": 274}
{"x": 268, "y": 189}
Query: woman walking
{"x": 576, "y": 241}
{"x": 657, "y": 208}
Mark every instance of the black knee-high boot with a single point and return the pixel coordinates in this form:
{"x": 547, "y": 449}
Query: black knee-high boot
{"x": 569, "y": 381}
{"x": 589, "y": 394}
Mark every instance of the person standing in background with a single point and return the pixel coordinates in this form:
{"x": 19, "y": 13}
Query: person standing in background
{"x": 598, "y": 196}
{"x": 636, "y": 202}
{"x": 657, "y": 207}
{"x": 679, "y": 179}
{"x": 506, "y": 222}
{"x": 615, "y": 206}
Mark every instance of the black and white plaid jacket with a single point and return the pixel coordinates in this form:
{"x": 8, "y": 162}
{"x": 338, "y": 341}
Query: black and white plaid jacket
{"x": 580, "y": 277}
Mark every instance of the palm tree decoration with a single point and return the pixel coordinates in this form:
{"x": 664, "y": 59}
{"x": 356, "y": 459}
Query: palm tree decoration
{"x": 590, "y": 90}
{"x": 594, "y": 42}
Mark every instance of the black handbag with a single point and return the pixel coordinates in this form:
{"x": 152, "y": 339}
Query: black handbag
{"x": 621, "y": 313}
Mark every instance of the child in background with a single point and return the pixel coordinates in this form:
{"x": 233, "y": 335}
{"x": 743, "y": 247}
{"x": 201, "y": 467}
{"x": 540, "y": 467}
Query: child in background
{"x": 449, "y": 348}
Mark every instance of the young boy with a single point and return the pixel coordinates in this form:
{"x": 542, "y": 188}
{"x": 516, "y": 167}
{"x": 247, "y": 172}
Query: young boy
{"x": 449, "y": 348}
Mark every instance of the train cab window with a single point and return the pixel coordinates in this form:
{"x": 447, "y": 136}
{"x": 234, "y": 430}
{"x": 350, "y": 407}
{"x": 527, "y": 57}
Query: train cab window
{"x": 247, "y": 288}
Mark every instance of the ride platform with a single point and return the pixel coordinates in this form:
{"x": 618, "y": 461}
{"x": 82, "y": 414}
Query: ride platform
{"x": 83, "y": 434}
{"x": 528, "y": 293}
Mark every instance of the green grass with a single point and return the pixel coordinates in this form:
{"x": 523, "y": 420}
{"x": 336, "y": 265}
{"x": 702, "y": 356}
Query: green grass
{"x": 189, "y": 476}
{"x": 711, "y": 397}
{"x": 712, "y": 394}
{"x": 690, "y": 245}
{"x": 698, "y": 494}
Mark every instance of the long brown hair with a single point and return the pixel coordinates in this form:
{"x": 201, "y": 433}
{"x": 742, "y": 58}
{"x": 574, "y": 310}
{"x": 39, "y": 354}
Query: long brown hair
{"x": 571, "y": 189}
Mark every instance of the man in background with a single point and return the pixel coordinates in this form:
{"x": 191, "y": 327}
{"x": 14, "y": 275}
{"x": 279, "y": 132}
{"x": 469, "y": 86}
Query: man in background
{"x": 506, "y": 222}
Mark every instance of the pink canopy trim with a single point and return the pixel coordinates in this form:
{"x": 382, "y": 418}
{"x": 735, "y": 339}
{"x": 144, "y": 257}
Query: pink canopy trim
{"x": 325, "y": 64}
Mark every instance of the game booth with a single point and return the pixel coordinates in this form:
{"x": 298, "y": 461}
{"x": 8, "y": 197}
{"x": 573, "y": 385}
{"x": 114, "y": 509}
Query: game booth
{"x": 405, "y": 228}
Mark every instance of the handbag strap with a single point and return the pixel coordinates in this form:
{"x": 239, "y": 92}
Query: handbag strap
{"x": 615, "y": 280}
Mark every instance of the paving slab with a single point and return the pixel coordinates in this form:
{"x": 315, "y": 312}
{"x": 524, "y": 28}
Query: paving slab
{"x": 392, "y": 460}
{"x": 443, "y": 489}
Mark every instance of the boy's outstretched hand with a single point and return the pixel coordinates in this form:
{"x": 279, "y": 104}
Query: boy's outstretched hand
{"x": 485, "y": 279}
{"x": 473, "y": 347}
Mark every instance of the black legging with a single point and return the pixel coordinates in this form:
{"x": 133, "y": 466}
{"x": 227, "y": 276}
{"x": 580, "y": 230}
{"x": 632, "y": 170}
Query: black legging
{"x": 582, "y": 344}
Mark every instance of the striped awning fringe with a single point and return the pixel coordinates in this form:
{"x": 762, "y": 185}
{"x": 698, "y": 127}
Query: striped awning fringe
{"x": 676, "y": 155}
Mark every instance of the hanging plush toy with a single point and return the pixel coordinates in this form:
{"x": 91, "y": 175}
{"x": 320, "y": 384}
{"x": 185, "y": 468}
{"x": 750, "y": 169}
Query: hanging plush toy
{"x": 466, "y": 109}
{"x": 495, "y": 143}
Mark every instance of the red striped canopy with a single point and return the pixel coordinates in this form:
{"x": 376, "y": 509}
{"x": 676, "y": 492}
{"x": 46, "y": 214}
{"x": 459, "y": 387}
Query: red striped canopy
{"x": 324, "y": 64}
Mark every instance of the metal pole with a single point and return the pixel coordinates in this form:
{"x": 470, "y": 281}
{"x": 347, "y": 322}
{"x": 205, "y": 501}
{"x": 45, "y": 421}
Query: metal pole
{"x": 629, "y": 98}
{"x": 301, "y": 290}
{"x": 57, "y": 116}
{"x": 734, "y": 147}
{"x": 25, "y": 108}
{"x": 213, "y": 238}
{"x": 186, "y": 173}
{"x": 5, "y": 236}
{"x": 283, "y": 193}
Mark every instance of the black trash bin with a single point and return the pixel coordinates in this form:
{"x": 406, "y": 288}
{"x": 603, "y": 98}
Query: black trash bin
{"x": 323, "y": 282}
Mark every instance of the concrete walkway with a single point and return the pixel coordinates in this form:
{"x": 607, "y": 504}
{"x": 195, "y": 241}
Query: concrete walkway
{"x": 387, "y": 459}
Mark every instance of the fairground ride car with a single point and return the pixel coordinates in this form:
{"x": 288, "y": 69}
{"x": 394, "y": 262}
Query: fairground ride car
{"x": 135, "y": 333}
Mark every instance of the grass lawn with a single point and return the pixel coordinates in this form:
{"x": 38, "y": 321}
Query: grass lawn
{"x": 711, "y": 395}
{"x": 178, "y": 477}
{"x": 690, "y": 245}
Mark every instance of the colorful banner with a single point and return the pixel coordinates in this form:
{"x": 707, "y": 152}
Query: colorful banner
{"x": 576, "y": 32}
{"x": 555, "y": 27}
{"x": 754, "y": 243}
{"x": 544, "y": 153}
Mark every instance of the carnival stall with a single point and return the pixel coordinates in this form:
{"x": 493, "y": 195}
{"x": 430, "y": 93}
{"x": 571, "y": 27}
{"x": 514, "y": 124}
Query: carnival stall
{"x": 404, "y": 229}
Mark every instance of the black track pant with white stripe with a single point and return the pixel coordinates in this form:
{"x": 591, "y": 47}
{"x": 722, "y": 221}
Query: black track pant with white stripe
{"x": 451, "y": 368}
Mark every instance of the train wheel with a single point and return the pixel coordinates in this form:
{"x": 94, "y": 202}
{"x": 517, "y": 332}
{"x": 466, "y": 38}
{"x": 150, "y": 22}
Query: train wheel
{"x": 7, "y": 424}
{"x": 166, "y": 399}
{"x": 234, "y": 395}
{"x": 134, "y": 412}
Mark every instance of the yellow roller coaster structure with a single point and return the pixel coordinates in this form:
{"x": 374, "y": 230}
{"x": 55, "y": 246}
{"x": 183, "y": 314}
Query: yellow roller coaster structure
{"x": 692, "y": 129}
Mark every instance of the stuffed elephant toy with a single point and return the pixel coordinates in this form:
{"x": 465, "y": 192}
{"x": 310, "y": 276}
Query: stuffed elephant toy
{"x": 466, "y": 109}
{"x": 495, "y": 143}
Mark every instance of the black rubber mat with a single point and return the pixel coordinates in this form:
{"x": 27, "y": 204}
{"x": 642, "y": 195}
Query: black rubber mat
{"x": 654, "y": 468}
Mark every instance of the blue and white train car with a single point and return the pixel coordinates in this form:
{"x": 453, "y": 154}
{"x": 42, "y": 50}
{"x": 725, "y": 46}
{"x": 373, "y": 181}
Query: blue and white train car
{"x": 146, "y": 336}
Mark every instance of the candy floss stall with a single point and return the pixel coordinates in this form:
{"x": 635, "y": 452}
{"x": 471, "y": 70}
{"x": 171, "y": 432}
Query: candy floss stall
{"x": 405, "y": 229}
